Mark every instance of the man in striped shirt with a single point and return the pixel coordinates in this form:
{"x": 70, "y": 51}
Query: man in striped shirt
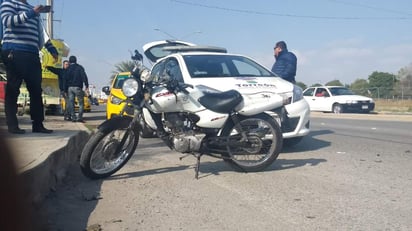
{"x": 23, "y": 37}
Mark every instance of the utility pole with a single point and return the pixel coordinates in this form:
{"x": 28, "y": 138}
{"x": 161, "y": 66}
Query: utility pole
{"x": 49, "y": 19}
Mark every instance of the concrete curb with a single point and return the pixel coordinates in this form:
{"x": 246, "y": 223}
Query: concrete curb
{"x": 42, "y": 160}
{"x": 44, "y": 177}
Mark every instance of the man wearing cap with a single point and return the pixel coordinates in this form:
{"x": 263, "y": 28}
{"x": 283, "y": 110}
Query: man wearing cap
{"x": 285, "y": 64}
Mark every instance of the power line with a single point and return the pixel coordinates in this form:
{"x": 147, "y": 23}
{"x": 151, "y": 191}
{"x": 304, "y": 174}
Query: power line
{"x": 287, "y": 15}
{"x": 371, "y": 7}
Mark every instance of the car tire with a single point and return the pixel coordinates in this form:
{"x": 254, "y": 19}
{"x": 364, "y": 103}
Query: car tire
{"x": 337, "y": 108}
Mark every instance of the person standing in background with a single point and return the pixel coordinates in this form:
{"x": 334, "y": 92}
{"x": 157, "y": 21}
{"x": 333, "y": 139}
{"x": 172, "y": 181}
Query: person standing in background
{"x": 74, "y": 78}
{"x": 60, "y": 72}
{"x": 285, "y": 64}
{"x": 23, "y": 37}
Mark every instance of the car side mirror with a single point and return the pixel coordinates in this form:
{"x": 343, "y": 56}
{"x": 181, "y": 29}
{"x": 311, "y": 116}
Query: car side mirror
{"x": 106, "y": 90}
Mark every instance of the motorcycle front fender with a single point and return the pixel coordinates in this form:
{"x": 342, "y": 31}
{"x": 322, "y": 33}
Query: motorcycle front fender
{"x": 148, "y": 119}
{"x": 117, "y": 122}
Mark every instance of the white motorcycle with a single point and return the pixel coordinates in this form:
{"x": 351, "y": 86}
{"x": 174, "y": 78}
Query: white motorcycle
{"x": 190, "y": 119}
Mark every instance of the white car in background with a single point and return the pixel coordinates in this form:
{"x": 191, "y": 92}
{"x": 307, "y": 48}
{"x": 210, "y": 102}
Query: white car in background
{"x": 337, "y": 99}
{"x": 215, "y": 68}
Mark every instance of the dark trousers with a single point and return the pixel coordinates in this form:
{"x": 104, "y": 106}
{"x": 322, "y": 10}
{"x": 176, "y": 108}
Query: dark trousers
{"x": 23, "y": 66}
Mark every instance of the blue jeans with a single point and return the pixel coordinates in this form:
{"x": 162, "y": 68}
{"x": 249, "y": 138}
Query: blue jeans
{"x": 75, "y": 92}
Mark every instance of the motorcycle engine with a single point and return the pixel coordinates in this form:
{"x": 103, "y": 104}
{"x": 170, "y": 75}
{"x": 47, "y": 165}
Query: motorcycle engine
{"x": 185, "y": 139}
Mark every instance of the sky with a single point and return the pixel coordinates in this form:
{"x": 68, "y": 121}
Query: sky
{"x": 333, "y": 39}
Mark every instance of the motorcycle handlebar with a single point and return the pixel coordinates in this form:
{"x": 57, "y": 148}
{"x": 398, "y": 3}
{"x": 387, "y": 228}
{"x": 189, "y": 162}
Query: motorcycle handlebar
{"x": 182, "y": 87}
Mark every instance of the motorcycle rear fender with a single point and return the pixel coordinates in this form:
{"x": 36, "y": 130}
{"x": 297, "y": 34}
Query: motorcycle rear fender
{"x": 258, "y": 103}
{"x": 117, "y": 121}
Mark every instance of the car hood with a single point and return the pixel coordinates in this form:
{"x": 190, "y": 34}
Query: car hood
{"x": 155, "y": 50}
{"x": 160, "y": 49}
{"x": 246, "y": 84}
{"x": 118, "y": 93}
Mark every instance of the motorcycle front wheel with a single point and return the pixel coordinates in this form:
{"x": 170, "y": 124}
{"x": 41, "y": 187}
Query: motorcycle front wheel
{"x": 261, "y": 147}
{"x": 107, "y": 151}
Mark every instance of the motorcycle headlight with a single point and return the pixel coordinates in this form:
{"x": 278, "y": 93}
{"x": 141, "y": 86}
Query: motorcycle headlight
{"x": 130, "y": 87}
{"x": 297, "y": 93}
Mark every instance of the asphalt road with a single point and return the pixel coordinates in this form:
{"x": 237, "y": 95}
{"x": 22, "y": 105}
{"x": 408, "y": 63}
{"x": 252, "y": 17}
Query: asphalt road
{"x": 347, "y": 174}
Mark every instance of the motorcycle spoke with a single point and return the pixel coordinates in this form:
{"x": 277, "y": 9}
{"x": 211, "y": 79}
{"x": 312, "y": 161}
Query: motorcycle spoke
{"x": 257, "y": 147}
{"x": 104, "y": 158}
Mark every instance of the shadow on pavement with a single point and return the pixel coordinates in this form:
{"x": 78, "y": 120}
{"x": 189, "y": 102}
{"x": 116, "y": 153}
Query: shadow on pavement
{"x": 309, "y": 142}
{"x": 78, "y": 201}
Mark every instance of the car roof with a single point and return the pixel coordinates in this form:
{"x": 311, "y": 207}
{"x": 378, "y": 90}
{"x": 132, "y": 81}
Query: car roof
{"x": 199, "y": 53}
{"x": 328, "y": 86}
{"x": 124, "y": 73}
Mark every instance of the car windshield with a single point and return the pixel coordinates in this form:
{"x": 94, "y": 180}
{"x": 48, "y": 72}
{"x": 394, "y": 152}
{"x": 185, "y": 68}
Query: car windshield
{"x": 340, "y": 91}
{"x": 119, "y": 81}
{"x": 200, "y": 66}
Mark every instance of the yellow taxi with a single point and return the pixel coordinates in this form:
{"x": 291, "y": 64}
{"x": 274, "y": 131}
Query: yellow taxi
{"x": 87, "y": 107}
{"x": 115, "y": 100}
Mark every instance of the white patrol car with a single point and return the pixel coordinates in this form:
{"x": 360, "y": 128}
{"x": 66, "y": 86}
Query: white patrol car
{"x": 215, "y": 68}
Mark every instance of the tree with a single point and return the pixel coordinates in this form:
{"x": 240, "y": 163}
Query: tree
{"x": 316, "y": 85}
{"x": 334, "y": 83}
{"x": 381, "y": 84}
{"x": 125, "y": 66}
{"x": 301, "y": 85}
{"x": 403, "y": 85}
{"x": 360, "y": 87}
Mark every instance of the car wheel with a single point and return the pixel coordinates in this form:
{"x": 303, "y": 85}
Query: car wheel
{"x": 337, "y": 108}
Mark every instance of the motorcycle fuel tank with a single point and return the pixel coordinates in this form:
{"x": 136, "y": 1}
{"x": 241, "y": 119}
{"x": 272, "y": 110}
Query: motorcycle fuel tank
{"x": 163, "y": 100}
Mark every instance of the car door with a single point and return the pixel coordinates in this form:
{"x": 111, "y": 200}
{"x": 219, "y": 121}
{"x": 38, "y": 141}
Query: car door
{"x": 309, "y": 95}
{"x": 321, "y": 100}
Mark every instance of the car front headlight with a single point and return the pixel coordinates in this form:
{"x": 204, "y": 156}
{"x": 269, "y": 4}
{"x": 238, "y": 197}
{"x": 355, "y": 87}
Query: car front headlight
{"x": 145, "y": 75}
{"x": 297, "y": 93}
{"x": 115, "y": 100}
{"x": 130, "y": 87}
{"x": 351, "y": 102}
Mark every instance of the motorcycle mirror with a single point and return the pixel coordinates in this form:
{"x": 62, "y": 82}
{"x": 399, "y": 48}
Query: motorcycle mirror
{"x": 137, "y": 56}
{"x": 106, "y": 90}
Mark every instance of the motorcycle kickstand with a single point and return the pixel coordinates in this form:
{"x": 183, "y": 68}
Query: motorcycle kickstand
{"x": 197, "y": 168}
{"x": 184, "y": 156}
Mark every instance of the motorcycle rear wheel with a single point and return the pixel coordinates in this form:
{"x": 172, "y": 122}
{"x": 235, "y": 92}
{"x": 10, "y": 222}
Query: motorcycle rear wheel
{"x": 99, "y": 158}
{"x": 262, "y": 147}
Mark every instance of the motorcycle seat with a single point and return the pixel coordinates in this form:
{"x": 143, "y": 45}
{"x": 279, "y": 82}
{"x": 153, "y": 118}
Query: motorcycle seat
{"x": 222, "y": 102}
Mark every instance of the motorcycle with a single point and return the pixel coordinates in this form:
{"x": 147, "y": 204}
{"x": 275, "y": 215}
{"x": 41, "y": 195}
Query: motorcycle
{"x": 194, "y": 120}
